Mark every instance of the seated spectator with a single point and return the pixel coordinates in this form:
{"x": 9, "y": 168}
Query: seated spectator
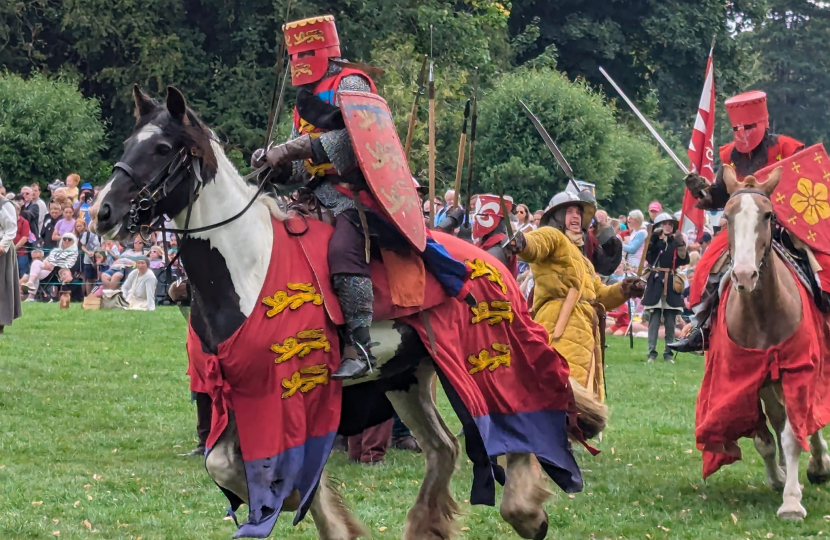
{"x": 62, "y": 257}
{"x": 101, "y": 263}
{"x": 156, "y": 257}
{"x": 139, "y": 289}
{"x": 113, "y": 277}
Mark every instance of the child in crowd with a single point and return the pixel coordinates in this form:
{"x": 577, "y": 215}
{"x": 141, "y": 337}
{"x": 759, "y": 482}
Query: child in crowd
{"x": 72, "y": 191}
{"x": 65, "y": 225}
{"x": 156, "y": 257}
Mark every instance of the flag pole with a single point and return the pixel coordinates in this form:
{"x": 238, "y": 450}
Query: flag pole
{"x": 711, "y": 51}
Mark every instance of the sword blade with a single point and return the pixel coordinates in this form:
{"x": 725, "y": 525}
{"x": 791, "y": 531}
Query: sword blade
{"x": 557, "y": 154}
{"x": 646, "y": 122}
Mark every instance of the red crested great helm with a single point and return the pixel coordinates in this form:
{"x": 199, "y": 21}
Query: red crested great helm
{"x": 310, "y": 43}
{"x": 750, "y": 119}
{"x": 487, "y": 215}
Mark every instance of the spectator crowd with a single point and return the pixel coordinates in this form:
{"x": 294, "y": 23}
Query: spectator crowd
{"x": 59, "y": 258}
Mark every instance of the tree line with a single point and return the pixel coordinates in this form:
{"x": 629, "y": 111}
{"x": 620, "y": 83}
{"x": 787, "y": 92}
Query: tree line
{"x": 222, "y": 56}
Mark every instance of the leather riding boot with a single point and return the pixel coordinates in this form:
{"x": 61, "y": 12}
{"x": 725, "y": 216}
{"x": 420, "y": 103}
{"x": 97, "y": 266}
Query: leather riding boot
{"x": 358, "y": 360}
{"x": 356, "y": 300}
{"x": 697, "y": 341}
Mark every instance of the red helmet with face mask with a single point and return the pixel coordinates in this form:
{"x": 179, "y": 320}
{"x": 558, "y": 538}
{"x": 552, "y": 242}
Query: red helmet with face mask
{"x": 310, "y": 44}
{"x": 487, "y": 214}
{"x": 750, "y": 119}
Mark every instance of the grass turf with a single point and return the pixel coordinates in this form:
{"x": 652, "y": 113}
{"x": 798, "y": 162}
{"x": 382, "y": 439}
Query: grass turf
{"x": 95, "y": 410}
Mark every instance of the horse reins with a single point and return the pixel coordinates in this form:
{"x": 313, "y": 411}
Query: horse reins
{"x": 162, "y": 184}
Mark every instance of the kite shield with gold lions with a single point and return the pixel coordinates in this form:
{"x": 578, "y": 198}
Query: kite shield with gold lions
{"x": 381, "y": 158}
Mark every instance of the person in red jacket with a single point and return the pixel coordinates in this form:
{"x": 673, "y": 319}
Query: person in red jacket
{"x": 752, "y": 149}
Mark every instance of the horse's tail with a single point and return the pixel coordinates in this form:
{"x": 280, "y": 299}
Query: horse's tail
{"x": 592, "y": 415}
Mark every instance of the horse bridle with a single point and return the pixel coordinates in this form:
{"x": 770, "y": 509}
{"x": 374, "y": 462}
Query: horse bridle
{"x": 162, "y": 184}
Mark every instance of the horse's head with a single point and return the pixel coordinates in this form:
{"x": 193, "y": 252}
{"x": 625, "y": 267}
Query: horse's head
{"x": 749, "y": 216}
{"x": 165, "y": 160}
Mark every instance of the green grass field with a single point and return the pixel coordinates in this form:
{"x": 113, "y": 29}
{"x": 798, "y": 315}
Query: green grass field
{"x": 95, "y": 410}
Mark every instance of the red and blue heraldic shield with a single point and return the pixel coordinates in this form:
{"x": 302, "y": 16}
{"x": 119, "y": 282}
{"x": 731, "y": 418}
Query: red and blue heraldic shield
{"x": 380, "y": 155}
{"x": 801, "y": 200}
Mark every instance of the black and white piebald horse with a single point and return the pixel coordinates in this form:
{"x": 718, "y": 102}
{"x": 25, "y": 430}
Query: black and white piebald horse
{"x": 226, "y": 266}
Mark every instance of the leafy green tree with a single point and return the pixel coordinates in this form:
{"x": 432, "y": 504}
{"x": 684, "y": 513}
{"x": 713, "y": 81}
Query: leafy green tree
{"x": 625, "y": 168}
{"x": 793, "y": 67}
{"x": 47, "y": 130}
{"x": 646, "y": 45}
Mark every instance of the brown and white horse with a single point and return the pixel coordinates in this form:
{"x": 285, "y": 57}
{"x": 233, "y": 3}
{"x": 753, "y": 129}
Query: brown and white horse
{"x": 763, "y": 310}
{"x": 226, "y": 267}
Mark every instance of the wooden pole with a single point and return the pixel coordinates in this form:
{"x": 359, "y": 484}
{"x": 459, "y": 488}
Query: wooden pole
{"x": 461, "y": 147}
{"x": 413, "y": 116}
{"x": 432, "y": 209}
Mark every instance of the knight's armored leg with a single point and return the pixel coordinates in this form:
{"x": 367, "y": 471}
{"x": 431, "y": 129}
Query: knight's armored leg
{"x": 698, "y": 338}
{"x": 356, "y": 297}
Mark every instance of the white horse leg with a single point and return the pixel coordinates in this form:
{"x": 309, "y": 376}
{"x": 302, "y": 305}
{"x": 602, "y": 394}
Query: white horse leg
{"x": 523, "y": 497}
{"x": 333, "y": 519}
{"x": 791, "y": 508}
{"x": 432, "y": 516}
{"x": 224, "y": 462}
{"x": 766, "y": 444}
{"x": 818, "y": 469}
{"x": 767, "y": 447}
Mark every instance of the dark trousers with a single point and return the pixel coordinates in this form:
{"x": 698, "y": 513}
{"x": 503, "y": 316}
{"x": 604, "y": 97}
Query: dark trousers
{"x": 399, "y": 429}
{"x": 371, "y": 444}
{"x": 654, "y": 329}
{"x": 347, "y": 247}
{"x": 203, "y": 416}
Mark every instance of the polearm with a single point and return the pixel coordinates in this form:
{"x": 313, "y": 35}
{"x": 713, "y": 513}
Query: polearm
{"x": 432, "y": 209}
{"x": 462, "y": 143}
{"x": 276, "y": 101}
{"x": 471, "y": 157}
{"x": 413, "y": 116}
{"x": 646, "y": 122}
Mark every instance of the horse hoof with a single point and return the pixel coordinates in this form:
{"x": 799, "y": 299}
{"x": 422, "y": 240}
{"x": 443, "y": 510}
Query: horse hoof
{"x": 818, "y": 478}
{"x": 543, "y": 529}
{"x": 796, "y": 513}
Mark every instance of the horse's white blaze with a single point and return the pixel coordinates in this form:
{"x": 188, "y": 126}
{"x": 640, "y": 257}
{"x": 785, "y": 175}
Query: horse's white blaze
{"x": 745, "y": 223}
{"x": 147, "y": 131}
{"x": 96, "y": 205}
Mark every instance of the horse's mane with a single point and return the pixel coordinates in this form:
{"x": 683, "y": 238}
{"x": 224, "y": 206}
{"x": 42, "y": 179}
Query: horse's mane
{"x": 228, "y": 173}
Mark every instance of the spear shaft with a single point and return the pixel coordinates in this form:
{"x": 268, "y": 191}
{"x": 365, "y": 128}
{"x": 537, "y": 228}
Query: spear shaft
{"x": 413, "y": 116}
{"x": 471, "y": 158}
{"x": 462, "y": 143}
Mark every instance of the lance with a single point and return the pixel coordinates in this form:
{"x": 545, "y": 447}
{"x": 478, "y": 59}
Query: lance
{"x": 646, "y": 122}
{"x": 432, "y": 209}
{"x": 413, "y": 116}
{"x": 462, "y": 142}
{"x": 276, "y": 100}
{"x": 471, "y": 158}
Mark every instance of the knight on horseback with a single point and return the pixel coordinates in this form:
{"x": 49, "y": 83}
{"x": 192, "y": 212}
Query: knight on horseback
{"x": 322, "y": 156}
{"x": 753, "y": 149}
